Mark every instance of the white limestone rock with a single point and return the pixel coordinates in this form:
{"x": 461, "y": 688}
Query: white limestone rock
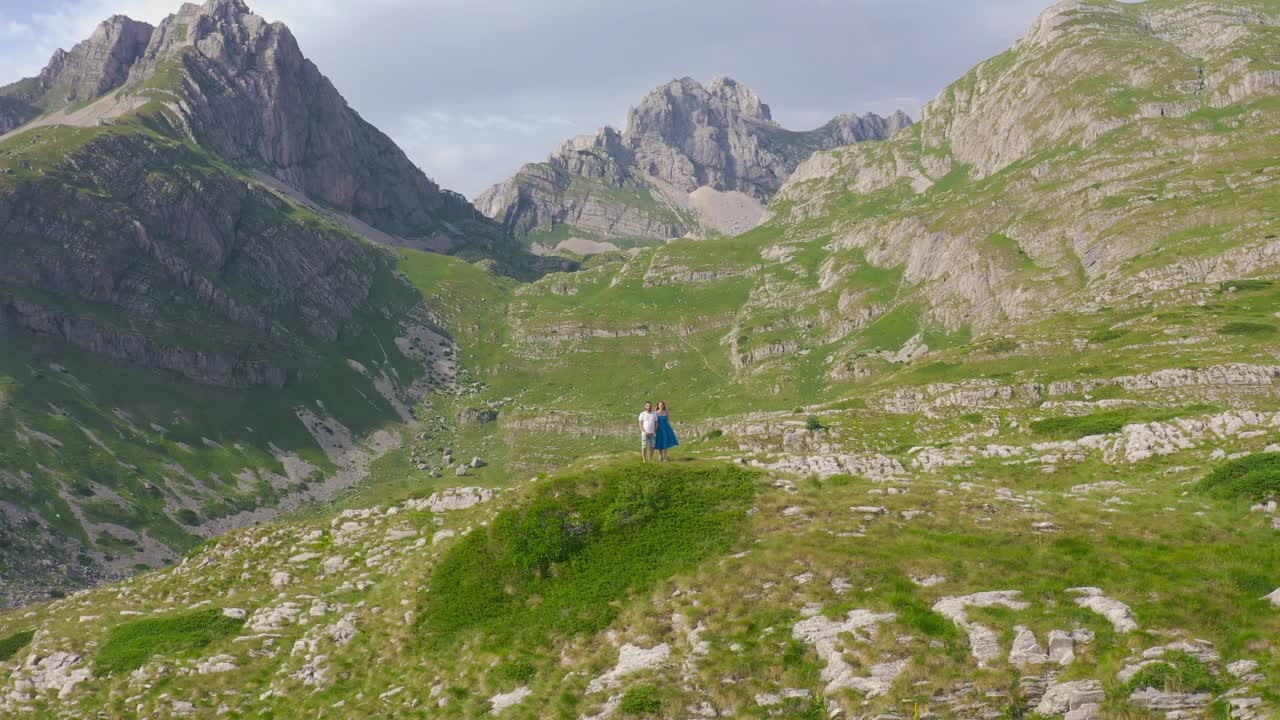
{"x": 1116, "y": 612}
{"x": 824, "y": 635}
{"x": 631, "y": 659}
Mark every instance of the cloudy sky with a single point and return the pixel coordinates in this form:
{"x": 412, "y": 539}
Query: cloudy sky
{"x": 472, "y": 89}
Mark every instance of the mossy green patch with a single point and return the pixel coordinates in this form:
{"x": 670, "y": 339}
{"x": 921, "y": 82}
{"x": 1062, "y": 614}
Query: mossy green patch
{"x": 1176, "y": 672}
{"x": 1255, "y": 477}
{"x": 559, "y": 562}
{"x": 130, "y": 645}
{"x": 641, "y": 700}
{"x": 10, "y": 645}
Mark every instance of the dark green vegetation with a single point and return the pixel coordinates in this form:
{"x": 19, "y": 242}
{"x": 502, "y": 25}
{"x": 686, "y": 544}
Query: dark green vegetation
{"x": 132, "y": 644}
{"x": 641, "y": 700}
{"x": 10, "y": 645}
{"x": 1082, "y": 425}
{"x": 559, "y": 562}
{"x": 1110, "y": 421}
{"x": 1255, "y": 478}
{"x": 1179, "y": 673}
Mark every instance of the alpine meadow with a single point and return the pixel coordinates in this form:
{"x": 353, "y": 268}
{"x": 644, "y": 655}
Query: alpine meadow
{"x": 979, "y": 411}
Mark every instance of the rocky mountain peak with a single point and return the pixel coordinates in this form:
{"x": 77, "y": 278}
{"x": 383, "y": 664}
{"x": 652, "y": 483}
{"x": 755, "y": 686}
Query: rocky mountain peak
{"x": 92, "y": 67}
{"x": 225, "y": 31}
{"x": 734, "y": 94}
{"x": 638, "y": 187}
{"x": 674, "y": 110}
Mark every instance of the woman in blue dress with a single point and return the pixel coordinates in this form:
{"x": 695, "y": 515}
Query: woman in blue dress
{"x": 666, "y": 437}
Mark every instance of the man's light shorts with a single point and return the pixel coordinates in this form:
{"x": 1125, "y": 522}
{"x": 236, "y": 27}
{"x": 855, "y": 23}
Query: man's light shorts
{"x": 646, "y": 441}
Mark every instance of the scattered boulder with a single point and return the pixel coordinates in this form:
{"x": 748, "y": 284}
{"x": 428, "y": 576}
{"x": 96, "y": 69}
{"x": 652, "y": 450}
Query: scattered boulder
{"x": 631, "y": 659}
{"x": 217, "y": 664}
{"x": 1119, "y": 614}
{"x": 1061, "y": 647}
{"x": 983, "y": 642}
{"x": 56, "y": 671}
{"x": 1060, "y": 697}
{"x": 824, "y": 635}
{"x": 1026, "y": 649}
{"x": 501, "y": 702}
{"x": 456, "y": 498}
{"x": 477, "y": 416}
{"x": 1169, "y": 702}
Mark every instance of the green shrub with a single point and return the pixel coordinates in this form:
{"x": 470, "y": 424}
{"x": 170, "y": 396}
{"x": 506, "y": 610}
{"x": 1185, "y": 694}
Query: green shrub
{"x": 714, "y": 435}
{"x": 973, "y": 418}
{"x": 1106, "y": 336}
{"x": 641, "y": 700}
{"x": 1180, "y": 672}
{"x": 839, "y": 480}
{"x": 1247, "y": 328}
{"x": 187, "y": 516}
{"x": 10, "y": 645}
{"x": 132, "y": 644}
{"x": 561, "y": 560}
{"x": 813, "y": 423}
{"x": 1244, "y": 285}
{"x": 1077, "y": 427}
{"x": 515, "y": 671}
{"x": 1255, "y": 477}
{"x": 1003, "y": 345}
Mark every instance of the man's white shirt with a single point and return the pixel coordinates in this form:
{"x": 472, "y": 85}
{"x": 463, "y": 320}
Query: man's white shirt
{"x": 649, "y": 422}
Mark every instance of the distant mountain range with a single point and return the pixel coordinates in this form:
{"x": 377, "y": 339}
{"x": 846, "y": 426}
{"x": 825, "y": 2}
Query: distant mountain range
{"x": 693, "y": 160}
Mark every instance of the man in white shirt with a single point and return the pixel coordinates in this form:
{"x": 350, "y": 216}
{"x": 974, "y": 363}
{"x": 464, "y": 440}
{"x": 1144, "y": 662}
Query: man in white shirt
{"x": 648, "y": 431}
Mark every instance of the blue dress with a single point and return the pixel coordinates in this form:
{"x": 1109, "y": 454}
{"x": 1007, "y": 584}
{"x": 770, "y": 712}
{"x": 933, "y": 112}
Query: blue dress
{"x": 666, "y": 437}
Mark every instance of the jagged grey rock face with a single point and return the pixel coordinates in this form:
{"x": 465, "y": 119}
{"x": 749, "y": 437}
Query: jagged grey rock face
{"x": 91, "y": 68}
{"x": 681, "y": 137}
{"x": 240, "y": 88}
{"x": 250, "y": 95}
{"x": 722, "y": 136}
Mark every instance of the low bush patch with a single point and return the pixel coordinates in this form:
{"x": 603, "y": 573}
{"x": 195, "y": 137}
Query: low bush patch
{"x": 1247, "y": 328}
{"x": 641, "y": 700}
{"x": 1255, "y": 477}
{"x": 9, "y": 646}
{"x": 561, "y": 560}
{"x": 1179, "y": 672}
{"x": 132, "y": 644}
{"x": 1106, "y": 336}
{"x": 1077, "y": 427}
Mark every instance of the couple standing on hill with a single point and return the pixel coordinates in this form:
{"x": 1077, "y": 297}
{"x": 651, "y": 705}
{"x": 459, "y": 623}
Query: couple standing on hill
{"x": 656, "y": 433}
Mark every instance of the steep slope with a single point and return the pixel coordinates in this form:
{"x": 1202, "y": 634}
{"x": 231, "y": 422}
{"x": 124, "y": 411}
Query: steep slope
{"x": 197, "y": 331}
{"x": 1114, "y": 144}
{"x": 693, "y": 160}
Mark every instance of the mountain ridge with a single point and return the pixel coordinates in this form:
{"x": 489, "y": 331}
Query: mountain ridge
{"x": 646, "y": 183}
{"x": 156, "y": 248}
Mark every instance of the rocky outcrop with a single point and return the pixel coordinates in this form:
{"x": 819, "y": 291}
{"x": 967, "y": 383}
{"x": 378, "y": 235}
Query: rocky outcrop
{"x": 91, "y": 68}
{"x": 240, "y": 87}
{"x": 173, "y": 244}
{"x": 640, "y": 185}
{"x": 1022, "y": 173}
